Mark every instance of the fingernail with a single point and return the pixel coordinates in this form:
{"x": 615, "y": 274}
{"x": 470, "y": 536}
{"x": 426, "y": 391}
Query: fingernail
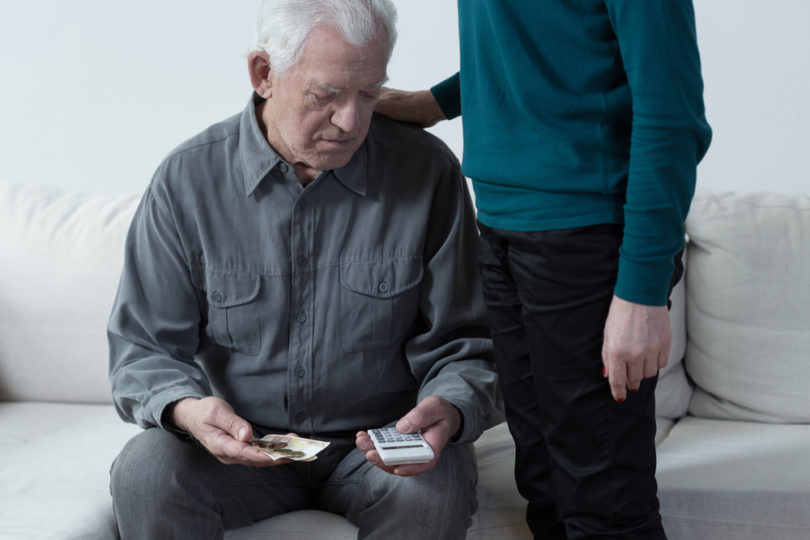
{"x": 405, "y": 427}
{"x": 634, "y": 390}
{"x": 620, "y": 400}
{"x": 242, "y": 433}
{"x": 604, "y": 371}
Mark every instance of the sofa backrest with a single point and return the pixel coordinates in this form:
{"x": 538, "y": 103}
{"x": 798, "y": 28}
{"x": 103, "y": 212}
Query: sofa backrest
{"x": 748, "y": 306}
{"x": 60, "y": 260}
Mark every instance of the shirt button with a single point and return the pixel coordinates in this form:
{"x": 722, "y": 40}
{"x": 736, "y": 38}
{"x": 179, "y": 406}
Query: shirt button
{"x": 383, "y": 287}
{"x": 283, "y": 167}
{"x": 302, "y": 261}
{"x": 300, "y": 372}
{"x": 301, "y": 317}
{"x": 216, "y": 296}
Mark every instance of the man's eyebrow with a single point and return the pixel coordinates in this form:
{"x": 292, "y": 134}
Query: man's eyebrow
{"x": 329, "y": 88}
{"x": 335, "y": 90}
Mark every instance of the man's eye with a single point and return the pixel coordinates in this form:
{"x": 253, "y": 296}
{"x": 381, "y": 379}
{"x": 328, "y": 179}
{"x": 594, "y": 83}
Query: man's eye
{"x": 323, "y": 98}
{"x": 368, "y": 96}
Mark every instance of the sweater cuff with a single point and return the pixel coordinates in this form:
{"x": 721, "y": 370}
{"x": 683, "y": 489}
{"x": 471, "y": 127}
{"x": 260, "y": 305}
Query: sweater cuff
{"x": 645, "y": 283}
{"x": 448, "y": 95}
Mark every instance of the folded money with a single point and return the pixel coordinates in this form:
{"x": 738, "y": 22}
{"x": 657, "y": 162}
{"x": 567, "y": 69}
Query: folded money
{"x": 286, "y": 446}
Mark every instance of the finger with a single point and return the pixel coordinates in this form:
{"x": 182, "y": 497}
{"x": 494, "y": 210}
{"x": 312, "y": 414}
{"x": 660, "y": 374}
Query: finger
{"x": 635, "y": 368}
{"x": 651, "y": 366}
{"x": 617, "y": 375}
{"x": 413, "y": 421}
{"x": 373, "y": 457}
{"x": 663, "y": 359}
{"x": 413, "y": 470}
{"x": 253, "y": 458}
{"x": 363, "y": 441}
{"x": 425, "y": 414}
{"x": 237, "y": 427}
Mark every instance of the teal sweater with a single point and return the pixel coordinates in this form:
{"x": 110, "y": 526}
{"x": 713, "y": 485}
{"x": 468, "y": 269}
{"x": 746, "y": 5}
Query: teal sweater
{"x": 584, "y": 112}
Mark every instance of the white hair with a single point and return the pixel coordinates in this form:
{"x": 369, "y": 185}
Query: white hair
{"x": 284, "y": 25}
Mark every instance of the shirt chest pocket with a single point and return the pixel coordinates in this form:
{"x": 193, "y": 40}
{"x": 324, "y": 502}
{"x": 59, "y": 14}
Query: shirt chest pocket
{"x": 234, "y": 314}
{"x": 378, "y": 302}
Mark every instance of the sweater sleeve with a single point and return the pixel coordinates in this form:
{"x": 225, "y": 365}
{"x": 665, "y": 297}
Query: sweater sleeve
{"x": 448, "y": 95}
{"x": 658, "y": 45}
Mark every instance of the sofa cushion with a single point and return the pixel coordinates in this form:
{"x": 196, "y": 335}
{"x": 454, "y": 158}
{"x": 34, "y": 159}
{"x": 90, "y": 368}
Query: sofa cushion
{"x": 732, "y": 479}
{"x": 55, "y": 475}
{"x": 55, "y": 480}
{"x": 65, "y": 252}
{"x": 748, "y": 306}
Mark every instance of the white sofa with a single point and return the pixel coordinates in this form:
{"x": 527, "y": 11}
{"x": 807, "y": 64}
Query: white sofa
{"x": 733, "y": 439}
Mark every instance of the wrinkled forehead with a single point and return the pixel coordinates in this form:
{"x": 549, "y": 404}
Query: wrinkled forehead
{"x": 328, "y": 59}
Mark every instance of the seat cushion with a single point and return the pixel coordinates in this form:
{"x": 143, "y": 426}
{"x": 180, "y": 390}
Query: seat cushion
{"x": 55, "y": 471}
{"x": 55, "y": 480}
{"x": 748, "y": 306}
{"x": 735, "y": 480}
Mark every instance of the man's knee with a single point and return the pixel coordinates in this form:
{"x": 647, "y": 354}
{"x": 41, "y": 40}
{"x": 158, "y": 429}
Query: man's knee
{"x": 149, "y": 466}
{"x": 440, "y": 500}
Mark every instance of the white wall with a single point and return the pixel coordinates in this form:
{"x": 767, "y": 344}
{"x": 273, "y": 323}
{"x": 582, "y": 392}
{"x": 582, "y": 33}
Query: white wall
{"x": 94, "y": 93}
{"x": 756, "y": 71}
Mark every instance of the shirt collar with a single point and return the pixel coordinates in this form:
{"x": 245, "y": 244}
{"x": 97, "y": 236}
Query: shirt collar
{"x": 259, "y": 158}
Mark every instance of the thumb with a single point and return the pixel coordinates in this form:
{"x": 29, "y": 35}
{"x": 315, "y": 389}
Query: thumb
{"x": 411, "y": 422}
{"x": 425, "y": 414}
{"x": 237, "y": 427}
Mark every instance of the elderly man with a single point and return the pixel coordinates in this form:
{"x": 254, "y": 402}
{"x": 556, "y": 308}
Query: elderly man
{"x": 302, "y": 268}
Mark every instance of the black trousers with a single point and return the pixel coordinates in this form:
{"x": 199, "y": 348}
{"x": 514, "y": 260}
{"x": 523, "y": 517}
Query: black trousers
{"x": 585, "y": 463}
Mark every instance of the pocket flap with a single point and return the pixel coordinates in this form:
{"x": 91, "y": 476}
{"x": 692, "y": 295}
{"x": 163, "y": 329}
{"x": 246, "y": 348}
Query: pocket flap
{"x": 227, "y": 290}
{"x": 382, "y": 279}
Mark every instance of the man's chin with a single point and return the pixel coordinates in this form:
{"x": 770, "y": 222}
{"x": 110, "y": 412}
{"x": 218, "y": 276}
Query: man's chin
{"x": 334, "y": 160}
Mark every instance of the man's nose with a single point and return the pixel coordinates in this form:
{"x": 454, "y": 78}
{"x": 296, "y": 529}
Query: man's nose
{"x": 347, "y": 115}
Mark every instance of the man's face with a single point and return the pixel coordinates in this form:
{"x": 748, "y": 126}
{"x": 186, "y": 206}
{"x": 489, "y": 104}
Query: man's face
{"x": 317, "y": 114}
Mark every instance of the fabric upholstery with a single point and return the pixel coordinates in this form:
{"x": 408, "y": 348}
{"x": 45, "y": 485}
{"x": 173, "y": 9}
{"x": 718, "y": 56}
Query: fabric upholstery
{"x": 748, "y": 312}
{"x": 735, "y": 480}
{"x": 62, "y": 257}
{"x": 723, "y": 474}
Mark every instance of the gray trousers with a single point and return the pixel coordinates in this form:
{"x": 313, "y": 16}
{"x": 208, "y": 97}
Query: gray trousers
{"x": 168, "y": 487}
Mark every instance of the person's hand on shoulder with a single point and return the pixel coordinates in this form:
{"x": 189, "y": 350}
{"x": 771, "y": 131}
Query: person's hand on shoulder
{"x": 438, "y": 421}
{"x": 419, "y": 107}
{"x": 213, "y": 422}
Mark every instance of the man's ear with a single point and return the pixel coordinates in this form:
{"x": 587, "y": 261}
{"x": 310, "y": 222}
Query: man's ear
{"x": 259, "y": 69}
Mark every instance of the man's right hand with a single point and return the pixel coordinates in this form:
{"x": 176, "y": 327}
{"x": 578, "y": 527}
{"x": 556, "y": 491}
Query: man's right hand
{"x": 214, "y": 424}
{"x": 419, "y": 107}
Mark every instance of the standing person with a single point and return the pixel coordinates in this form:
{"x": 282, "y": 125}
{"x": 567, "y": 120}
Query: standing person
{"x": 583, "y": 125}
{"x": 302, "y": 267}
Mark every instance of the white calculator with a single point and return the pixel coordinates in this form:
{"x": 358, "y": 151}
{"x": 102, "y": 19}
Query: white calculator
{"x": 400, "y": 448}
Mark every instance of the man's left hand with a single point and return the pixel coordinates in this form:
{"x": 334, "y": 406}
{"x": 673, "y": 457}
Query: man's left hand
{"x": 435, "y": 418}
{"x": 636, "y": 345}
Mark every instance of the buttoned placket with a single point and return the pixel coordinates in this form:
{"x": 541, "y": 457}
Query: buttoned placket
{"x": 302, "y": 304}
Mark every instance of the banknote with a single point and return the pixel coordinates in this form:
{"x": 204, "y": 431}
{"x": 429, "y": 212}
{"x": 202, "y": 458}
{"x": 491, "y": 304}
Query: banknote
{"x": 286, "y": 446}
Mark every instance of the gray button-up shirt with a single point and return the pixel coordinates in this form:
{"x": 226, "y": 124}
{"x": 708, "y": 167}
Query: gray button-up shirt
{"x": 329, "y": 308}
